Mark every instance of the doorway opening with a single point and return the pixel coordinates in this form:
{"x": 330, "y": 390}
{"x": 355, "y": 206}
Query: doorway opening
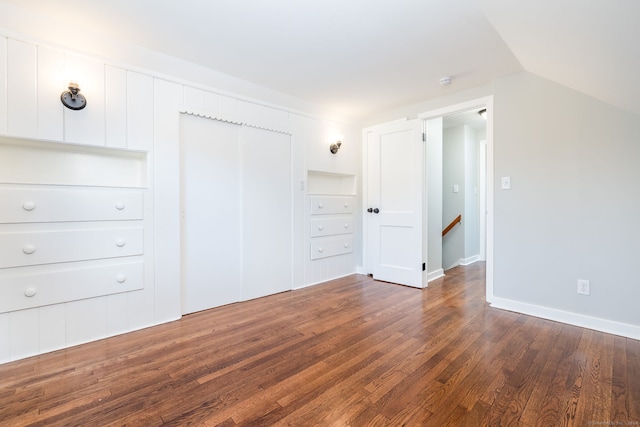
{"x": 460, "y": 182}
{"x": 464, "y": 188}
{"x": 403, "y": 191}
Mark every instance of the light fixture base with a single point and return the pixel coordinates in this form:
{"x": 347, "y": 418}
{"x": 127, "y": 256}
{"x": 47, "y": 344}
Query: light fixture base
{"x": 335, "y": 147}
{"x": 73, "y": 102}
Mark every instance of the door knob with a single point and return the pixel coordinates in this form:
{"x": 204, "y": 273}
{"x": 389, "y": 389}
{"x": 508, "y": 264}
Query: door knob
{"x": 376, "y": 210}
{"x": 369, "y": 210}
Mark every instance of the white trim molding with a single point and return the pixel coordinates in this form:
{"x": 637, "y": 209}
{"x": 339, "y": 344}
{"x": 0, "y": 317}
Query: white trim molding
{"x": 486, "y": 102}
{"x": 575, "y": 319}
{"x": 470, "y": 260}
{"x": 235, "y": 120}
{"x": 435, "y": 275}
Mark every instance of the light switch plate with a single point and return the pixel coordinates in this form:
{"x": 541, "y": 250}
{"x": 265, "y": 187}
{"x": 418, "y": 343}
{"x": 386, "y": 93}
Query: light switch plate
{"x": 506, "y": 183}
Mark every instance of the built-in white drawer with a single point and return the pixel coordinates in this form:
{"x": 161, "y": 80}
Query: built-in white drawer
{"x": 54, "y": 204}
{"x": 331, "y": 205}
{"x": 323, "y": 247}
{"x": 28, "y": 290}
{"x": 46, "y": 247}
{"x": 330, "y": 226}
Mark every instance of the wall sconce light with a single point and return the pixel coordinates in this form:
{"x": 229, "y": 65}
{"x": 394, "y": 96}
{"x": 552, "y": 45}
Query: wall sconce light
{"x": 483, "y": 113}
{"x": 72, "y": 98}
{"x": 335, "y": 147}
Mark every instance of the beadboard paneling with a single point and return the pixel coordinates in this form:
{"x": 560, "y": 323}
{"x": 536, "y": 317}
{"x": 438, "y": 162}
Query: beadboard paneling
{"x": 115, "y": 108}
{"x": 21, "y": 89}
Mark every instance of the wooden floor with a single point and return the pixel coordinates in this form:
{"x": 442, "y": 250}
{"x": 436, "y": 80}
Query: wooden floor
{"x": 350, "y": 352}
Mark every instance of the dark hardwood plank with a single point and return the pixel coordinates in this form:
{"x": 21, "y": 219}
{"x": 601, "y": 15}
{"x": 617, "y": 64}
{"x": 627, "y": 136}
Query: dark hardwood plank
{"x": 633, "y": 380}
{"x": 352, "y": 351}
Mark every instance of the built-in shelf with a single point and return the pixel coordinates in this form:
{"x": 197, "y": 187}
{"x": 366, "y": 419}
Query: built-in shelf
{"x": 25, "y": 161}
{"x": 330, "y": 183}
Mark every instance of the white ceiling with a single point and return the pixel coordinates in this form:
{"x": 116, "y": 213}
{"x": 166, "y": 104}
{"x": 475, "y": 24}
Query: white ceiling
{"x": 471, "y": 118}
{"x": 362, "y": 57}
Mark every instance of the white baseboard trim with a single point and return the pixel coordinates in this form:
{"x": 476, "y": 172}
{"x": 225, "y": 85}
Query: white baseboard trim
{"x": 454, "y": 265}
{"x": 306, "y": 285}
{"x": 575, "y": 319}
{"x": 435, "y": 275}
{"x": 470, "y": 260}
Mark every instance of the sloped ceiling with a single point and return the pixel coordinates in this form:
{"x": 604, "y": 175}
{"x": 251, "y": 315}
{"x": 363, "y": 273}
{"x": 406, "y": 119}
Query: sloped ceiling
{"x": 362, "y": 57}
{"x": 592, "y": 46}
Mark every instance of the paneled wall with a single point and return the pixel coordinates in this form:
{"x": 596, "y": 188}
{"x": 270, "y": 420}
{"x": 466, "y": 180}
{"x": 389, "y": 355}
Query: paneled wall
{"x": 130, "y": 114}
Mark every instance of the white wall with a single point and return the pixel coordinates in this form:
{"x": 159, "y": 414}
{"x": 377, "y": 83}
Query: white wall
{"x": 573, "y": 208}
{"x": 471, "y": 195}
{"x": 314, "y": 137}
{"x": 460, "y": 165}
{"x": 140, "y": 109}
{"x": 453, "y": 203}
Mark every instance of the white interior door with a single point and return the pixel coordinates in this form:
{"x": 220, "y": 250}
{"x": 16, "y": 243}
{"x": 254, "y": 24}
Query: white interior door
{"x": 395, "y": 185}
{"x": 211, "y": 191}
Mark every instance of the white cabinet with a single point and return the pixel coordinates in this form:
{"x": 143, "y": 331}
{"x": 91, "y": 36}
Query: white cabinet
{"x": 331, "y": 246}
{"x": 24, "y": 248}
{"x": 56, "y": 204}
{"x": 22, "y": 290}
{"x": 331, "y": 205}
{"x": 63, "y": 243}
{"x": 331, "y": 225}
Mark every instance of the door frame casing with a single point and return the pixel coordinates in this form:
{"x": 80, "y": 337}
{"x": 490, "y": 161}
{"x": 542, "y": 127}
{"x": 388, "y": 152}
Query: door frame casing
{"x": 484, "y": 102}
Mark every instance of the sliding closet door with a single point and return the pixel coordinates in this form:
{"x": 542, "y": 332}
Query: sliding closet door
{"x": 266, "y": 180}
{"x": 211, "y": 173}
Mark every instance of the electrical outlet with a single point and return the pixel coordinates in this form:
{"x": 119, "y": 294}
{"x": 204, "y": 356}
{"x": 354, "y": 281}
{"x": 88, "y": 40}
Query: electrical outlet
{"x": 583, "y": 287}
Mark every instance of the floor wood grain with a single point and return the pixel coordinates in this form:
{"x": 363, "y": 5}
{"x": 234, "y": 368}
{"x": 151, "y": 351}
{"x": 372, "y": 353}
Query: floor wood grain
{"x": 350, "y": 352}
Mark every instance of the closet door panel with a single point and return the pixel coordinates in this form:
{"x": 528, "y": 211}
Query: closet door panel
{"x": 211, "y": 217}
{"x": 266, "y": 212}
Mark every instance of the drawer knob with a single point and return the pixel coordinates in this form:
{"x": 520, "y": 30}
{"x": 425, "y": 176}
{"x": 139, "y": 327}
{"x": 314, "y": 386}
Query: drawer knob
{"x": 320, "y": 228}
{"x": 346, "y": 245}
{"x": 29, "y": 206}
{"x": 346, "y": 226}
{"x": 320, "y": 250}
{"x": 30, "y": 292}
{"x": 29, "y": 249}
{"x": 119, "y": 206}
{"x": 320, "y": 206}
{"x": 121, "y": 278}
{"x": 120, "y": 243}
{"x": 346, "y": 205}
